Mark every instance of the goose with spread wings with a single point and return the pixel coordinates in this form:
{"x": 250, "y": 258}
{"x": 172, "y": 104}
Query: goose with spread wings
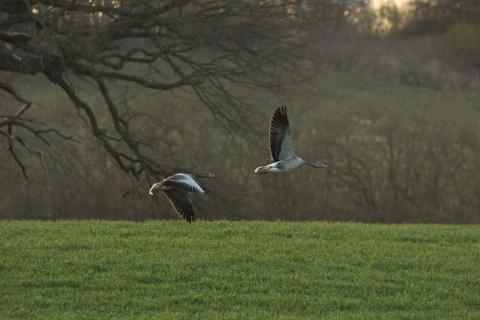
{"x": 283, "y": 156}
{"x": 176, "y": 188}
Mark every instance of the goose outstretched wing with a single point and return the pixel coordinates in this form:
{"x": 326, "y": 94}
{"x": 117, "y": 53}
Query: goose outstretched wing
{"x": 280, "y": 136}
{"x": 181, "y": 203}
{"x": 183, "y": 181}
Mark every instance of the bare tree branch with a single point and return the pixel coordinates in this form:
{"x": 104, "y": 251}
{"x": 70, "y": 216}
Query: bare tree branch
{"x": 209, "y": 48}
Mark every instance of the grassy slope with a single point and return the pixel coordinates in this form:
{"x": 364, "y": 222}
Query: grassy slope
{"x": 152, "y": 270}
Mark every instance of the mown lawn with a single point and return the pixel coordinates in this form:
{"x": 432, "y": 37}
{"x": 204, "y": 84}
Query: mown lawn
{"x": 238, "y": 270}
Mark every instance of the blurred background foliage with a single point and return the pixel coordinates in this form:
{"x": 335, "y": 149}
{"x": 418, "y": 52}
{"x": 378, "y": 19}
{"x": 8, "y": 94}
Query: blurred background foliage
{"x": 386, "y": 93}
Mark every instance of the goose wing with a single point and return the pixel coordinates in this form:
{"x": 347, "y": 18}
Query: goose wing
{"x": 280, "y": 136}
{"x": 181, "y": 203}
{"x": 183, "y": 181}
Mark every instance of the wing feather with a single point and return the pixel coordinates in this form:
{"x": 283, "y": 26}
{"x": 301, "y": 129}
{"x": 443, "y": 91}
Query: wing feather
{"x": 181, "y": 203}
{"x": 280, "y": 136}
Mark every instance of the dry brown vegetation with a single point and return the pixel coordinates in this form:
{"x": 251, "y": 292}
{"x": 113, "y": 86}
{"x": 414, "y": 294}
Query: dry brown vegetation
{"x": 396, "y": 117}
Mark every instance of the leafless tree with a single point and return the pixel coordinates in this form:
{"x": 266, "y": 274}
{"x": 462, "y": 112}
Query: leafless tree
{"x": 202, "y": 48}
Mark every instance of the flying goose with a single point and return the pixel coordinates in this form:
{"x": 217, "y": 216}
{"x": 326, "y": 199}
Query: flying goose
{"x": 176, "y": 187}
{"x": 283, "y": 156}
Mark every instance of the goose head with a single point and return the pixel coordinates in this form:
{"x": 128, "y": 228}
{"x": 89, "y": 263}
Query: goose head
{"x": 204, "y": 175}
{"x": 317, "y": 164}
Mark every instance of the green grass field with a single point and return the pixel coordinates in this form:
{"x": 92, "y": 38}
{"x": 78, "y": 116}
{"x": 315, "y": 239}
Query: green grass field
{"x": 238, "y": 270}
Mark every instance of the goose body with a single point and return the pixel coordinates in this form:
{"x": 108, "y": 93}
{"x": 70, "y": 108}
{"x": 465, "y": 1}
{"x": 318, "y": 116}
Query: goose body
{"x": 176, "y": 188}
{"x": 282, "y": 165}
{"x": 281, "y": 149}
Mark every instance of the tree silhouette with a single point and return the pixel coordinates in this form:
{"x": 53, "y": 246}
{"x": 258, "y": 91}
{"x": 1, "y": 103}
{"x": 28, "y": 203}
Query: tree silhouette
{"x": 202, "y": 47}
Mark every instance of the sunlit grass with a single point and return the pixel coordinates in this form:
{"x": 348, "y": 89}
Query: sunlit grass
{"x": 123, "y": 270}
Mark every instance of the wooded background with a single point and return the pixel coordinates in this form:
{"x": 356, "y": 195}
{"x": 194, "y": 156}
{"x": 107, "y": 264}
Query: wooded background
{"x": 99, "y": 99}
